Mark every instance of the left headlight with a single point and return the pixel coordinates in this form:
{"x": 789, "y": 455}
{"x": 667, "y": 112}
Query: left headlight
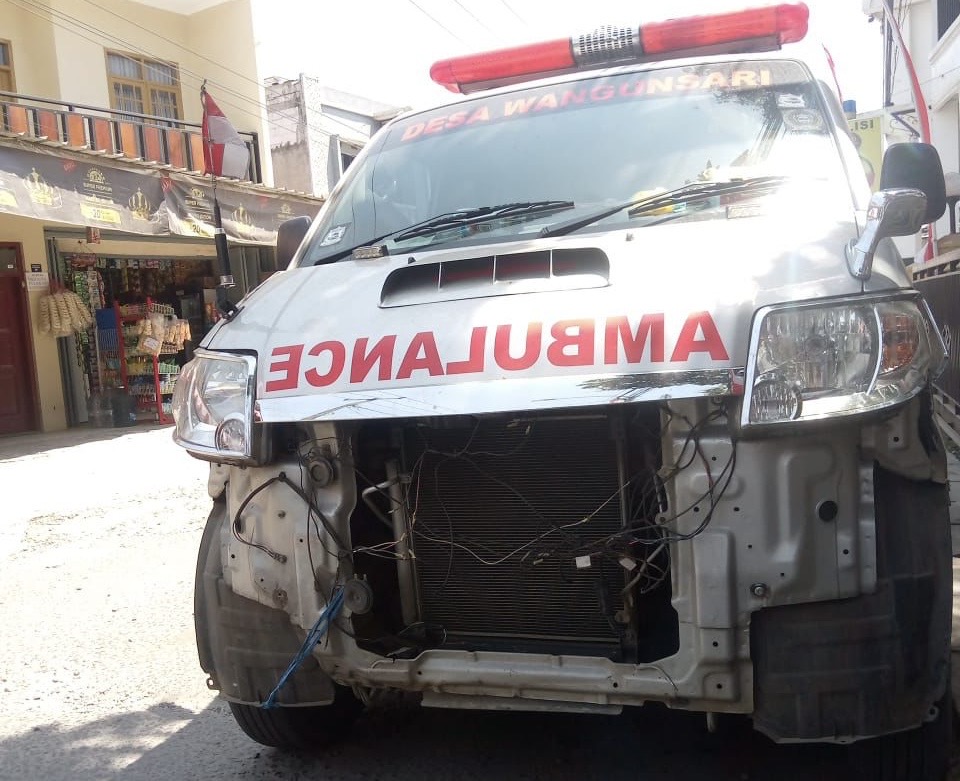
{"x": 213, "y": 407}
{"x": 819, "y": 362}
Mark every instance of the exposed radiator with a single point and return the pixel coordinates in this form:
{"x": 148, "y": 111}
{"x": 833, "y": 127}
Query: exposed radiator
{"x": 488, "y": 491}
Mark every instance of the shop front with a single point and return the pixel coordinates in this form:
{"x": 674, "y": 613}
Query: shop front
{"x": 132, "y": 247}
{"x": 113, "y": 374}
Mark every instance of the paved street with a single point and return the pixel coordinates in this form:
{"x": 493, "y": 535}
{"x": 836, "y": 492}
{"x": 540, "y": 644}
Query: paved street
{"x": 98, "y": 669}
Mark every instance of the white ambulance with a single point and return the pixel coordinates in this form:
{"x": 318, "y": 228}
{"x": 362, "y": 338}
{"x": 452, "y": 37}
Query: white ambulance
{"x": 601, "y": 385}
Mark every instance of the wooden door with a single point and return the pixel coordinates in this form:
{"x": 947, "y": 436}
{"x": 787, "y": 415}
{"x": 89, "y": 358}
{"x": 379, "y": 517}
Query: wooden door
{"x": 17, "y": 398}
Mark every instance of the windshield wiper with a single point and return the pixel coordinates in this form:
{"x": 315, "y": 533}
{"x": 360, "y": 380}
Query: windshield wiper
{"x": 452, "y": 220}
{"x": 688, "y": 193}
{"x": 477, "y": 214}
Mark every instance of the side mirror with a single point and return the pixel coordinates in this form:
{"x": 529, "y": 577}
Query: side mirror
{"x": 916, "y": 166}
{"x": 289, "y": 237}
{"x": 894, "y": 212}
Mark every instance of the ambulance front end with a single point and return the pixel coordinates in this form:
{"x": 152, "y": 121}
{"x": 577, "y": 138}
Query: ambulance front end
{"x": 599, "y": 386}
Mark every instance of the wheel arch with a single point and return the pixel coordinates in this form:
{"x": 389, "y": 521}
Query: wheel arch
{"x": 243, "y": 646}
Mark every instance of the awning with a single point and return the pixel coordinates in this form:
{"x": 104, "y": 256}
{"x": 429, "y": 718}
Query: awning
{"x": 53, "y": 183}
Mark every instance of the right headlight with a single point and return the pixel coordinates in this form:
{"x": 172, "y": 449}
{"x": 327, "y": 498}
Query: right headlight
{"x": 213, "y": 407}
{"x": 818, "y": 362}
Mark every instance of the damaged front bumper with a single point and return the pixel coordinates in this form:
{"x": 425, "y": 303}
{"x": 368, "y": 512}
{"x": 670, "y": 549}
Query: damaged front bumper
{"x": 795, "y": 537}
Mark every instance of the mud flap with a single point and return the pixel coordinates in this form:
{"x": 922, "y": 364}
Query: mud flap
{"x": 871, "y": 665}
{"x": 244, "y": 646}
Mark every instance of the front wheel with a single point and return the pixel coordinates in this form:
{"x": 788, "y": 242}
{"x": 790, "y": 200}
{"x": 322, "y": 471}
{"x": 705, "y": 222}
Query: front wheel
{"x": 239, "y": 641}
{"x": 921, "y": 754}
{"x": 302, "y": 729}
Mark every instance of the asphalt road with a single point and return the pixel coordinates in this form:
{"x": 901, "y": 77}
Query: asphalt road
{"x": 99, "y": 677}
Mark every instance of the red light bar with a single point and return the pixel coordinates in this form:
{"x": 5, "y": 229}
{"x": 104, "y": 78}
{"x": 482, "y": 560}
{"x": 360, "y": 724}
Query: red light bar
{"x": 785, "y": 23}
{"x": 759, "y": 29}
{"x": 504, "y": 65}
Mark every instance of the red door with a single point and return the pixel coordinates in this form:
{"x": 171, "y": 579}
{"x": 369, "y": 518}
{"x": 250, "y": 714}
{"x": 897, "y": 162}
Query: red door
{"x": 17, "y": 399}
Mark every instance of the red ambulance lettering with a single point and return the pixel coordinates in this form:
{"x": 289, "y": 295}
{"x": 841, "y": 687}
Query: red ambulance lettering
{"x": 290, "y": 368}
{"x": 602, "y": 92}
{"x": 687, "y": 81}
{"x": 473, "y": 364}
{"x": 633, "y": 89}
{"x": 655, "y": 85}
{"x": 744, "y": 79}
{"x": 531, "y": 351}
{"x": 435, "y": 125}
{"x": 577, "y": 97}
{"x": 456, "y": 119}
{"x": 521, "y": 106}
{"x": 547, "y": 101}
{"x": 572, "y": 343}
{"x": 618, "y": 333}
{"x": 413, "y": 131}
{"x": 380, "y": 354}
{"x": 715, "y": 80}
{"x": 421, "y": 355}
{"x": 482, "y": 114}
{"x": 687, "y": 342}
{"x": 338, "y": 358}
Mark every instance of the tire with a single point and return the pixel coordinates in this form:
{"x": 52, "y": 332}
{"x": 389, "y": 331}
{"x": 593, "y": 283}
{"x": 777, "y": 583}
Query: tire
{"x": 208, "y": 560}
{"x": 224, "y": 623}
{"x": 299, "y": 729}
{"x": 921, "y": 754}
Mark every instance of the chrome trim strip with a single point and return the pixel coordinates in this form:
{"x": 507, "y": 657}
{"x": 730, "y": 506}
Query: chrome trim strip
{"x": 513, "y": 395}
{"x": 931, "y": 320}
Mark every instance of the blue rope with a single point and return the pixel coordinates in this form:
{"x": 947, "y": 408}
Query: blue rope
{"x": 314, "y": 636}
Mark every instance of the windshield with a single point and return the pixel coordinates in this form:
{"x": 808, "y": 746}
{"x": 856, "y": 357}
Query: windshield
{"x": 594, "y": 142}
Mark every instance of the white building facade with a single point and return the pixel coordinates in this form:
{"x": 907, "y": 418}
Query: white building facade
{"x": 101, "y": 159}
{"x": 931, "y": 32}
{"x": 316, "y": 131}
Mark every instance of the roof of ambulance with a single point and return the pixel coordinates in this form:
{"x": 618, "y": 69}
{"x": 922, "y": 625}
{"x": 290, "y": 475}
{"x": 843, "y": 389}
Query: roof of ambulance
{"x": 809, "y": 52}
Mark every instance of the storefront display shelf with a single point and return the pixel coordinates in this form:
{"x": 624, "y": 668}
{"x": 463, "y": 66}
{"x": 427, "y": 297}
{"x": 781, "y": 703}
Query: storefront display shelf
{"x": 141, "y": 371}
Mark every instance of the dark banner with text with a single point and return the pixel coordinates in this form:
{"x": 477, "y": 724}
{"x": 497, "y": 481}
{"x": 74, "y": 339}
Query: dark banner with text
{"x": 76, "y": 190}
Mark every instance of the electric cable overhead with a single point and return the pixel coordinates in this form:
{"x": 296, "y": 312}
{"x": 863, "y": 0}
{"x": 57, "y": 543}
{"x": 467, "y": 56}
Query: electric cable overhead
{"x": 435, "y": 20}
{"x": 475, "y": 18}
{"x": 57, "y": 18}
{"x": 34, "y": 7}
{"x": 220, "y": 65}
{"x": 510, "y": 9}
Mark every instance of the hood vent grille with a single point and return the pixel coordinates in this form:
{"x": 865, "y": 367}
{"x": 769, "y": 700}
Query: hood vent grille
{"x": 497, "y": 275}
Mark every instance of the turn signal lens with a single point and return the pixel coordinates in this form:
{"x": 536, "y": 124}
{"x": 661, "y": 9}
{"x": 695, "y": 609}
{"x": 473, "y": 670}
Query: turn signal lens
{"x": 901, "y": 341}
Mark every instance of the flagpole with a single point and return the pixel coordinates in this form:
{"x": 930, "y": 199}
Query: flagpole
{"x": 226, "y": 307}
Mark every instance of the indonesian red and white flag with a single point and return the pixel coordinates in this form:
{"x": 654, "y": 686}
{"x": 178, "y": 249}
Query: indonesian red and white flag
{"x": 224, "y": 151}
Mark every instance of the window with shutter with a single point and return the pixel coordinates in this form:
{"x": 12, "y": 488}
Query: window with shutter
{"x": 7, "y": 82}
{"x": 144, "y": 86}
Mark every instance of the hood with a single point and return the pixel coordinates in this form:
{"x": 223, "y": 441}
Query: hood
{"x": 626, "y": 315}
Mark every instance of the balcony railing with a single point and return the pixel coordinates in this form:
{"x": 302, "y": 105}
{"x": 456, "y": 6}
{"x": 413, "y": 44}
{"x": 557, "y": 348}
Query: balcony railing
{"x": 135, "y": 136}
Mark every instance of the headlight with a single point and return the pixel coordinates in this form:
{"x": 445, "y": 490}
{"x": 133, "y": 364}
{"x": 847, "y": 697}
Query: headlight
{"x": 213, "y": 406}
{"x": 816, "y": 362}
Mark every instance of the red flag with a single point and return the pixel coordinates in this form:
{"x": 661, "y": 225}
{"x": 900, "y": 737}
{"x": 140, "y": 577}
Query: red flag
{"x": 224, "y": 151}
